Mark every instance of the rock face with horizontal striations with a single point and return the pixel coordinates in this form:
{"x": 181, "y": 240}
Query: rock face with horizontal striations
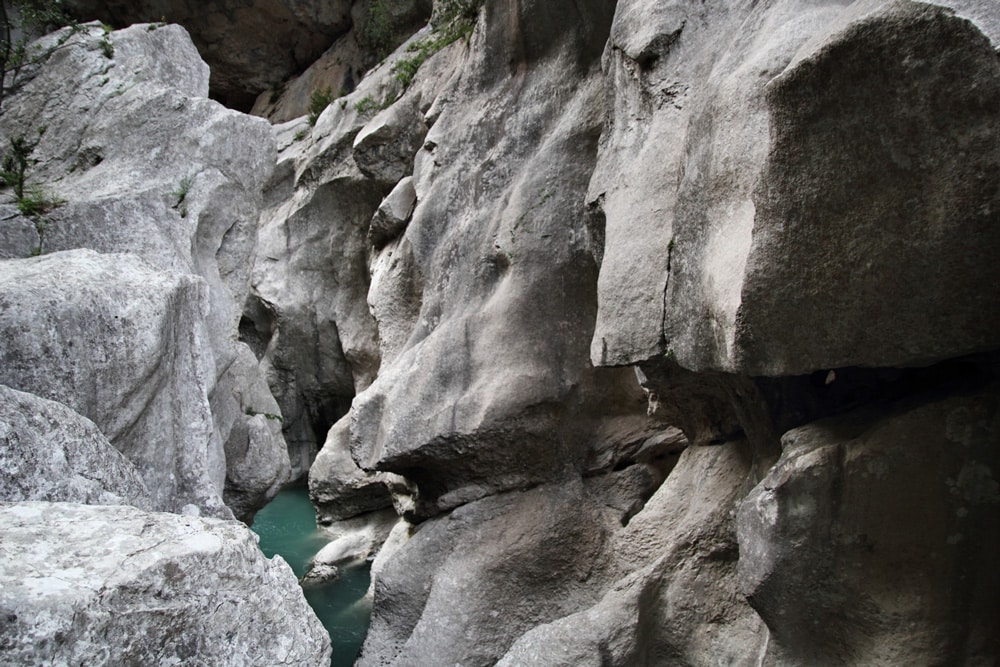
{"x": 116, "y": 585}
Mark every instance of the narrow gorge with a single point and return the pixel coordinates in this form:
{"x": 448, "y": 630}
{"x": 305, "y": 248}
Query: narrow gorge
{"x": 610, "y": 333}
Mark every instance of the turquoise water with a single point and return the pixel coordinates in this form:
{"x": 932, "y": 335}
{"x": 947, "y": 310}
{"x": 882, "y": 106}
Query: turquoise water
{"x": 287, "y": 526}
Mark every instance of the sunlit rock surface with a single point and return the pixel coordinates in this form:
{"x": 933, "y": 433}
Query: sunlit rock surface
{"x": 116, "y": 585}
{"x": 144, "y": 164}
{"x": 49, "y": 452}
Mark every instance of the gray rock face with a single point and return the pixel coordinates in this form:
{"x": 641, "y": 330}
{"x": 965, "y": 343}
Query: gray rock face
{"x": 735, "y": 198}
{"x": 830, "y": 555}
{"x": 257, "y": 464}
{"x": 497, "y": 567}
{"x": 163, "y": 589}
{"x": 142, "y": 375}
{"x": 321, "y": 345}
{"x": 727, "y": 198}
{"x": 667, "y": 591}
{"x": 768, "y": 230}
{"x": 393, "y": 213}
{"x": 337, "y": 487}
{"x": 285, "y": 36}
{"x": 146, "y": 165}
{"x": 486, "y": 391}
{"x": 48, "y": 452}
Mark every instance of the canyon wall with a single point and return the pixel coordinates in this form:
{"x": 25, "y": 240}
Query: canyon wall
{"x": 667, "y": 329}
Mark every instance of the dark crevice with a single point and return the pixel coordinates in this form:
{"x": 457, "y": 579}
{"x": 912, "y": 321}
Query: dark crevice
{"x": 257, "y": 325}
{"x": 713, "y": 407}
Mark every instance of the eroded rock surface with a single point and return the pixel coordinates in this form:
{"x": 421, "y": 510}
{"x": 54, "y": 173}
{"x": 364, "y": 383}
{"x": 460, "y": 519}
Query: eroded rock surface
{"x": 144, "y": 164}
{"x": 116, "y": 585}
{"x": 123, "y": 345}
{"x": 49, "y": 452}
{"x": 814, "y": 163}
{"x": 780, "y": 213}
{"x": 865, "y": 543}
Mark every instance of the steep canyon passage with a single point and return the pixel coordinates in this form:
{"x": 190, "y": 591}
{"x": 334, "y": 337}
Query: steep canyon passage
{"x": 287, "y": 527}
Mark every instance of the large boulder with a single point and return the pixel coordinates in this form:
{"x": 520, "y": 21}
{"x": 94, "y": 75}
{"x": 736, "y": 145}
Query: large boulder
{"x": 338, "y": 488}
{"x": 779, "y": 179}
{"x": 115, "y": 585}
{"x": 123, "y": 345}
{"x": 255, "y": 48}
{"x": 874, "y": 538}
{"x": 464, "y": 586}
{"x": 143, "y": 163}
{"x": 251, "y": 46}
{"x": 49, "y": 452}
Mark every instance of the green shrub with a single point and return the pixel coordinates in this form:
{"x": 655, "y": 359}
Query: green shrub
{"x": 16, "y": 162}
{"x": 318, "y": 101}
{"x": 36, "y": 202}
{"x": 452, "y": 20}
{"x": 181, "y": 193}
{"x": 366, "y": 104}
{"x": 379, "y": 32}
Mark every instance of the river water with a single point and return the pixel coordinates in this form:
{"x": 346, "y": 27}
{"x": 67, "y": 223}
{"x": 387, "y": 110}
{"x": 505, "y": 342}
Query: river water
{"x": 287, "y": 526}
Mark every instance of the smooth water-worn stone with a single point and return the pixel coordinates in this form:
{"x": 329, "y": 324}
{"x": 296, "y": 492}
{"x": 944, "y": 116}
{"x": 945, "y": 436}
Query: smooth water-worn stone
{"x": 873, "y": 539}
{"x": 115, "y": 585}
{"x": 503, "y": 264}
{"x": 49, "y": 452}
{"x": 257, "y": 464}
{"x": 393, "y": 213}
{"x": 497, "y": 567}
{"x": 337, "y": 486}
{"x": 668, "y": 593}
{"x": 750, "y": 223}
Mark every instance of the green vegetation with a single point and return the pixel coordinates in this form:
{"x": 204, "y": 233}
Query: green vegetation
{"x": 318, "y": 101}
{"x": 452, "y": 20}
{"x": 28, "y": 18}
{"x": 367, "y": 104}
{"x": 379, "y": 31}
{"x": 300, "y": 135}
{"x": 36, "y": 202}
{"x": 16, "y": 162}
{"x": 107, "y": 48}
{"x": 32, "y": 201}
{"x": 266, "y": 415}
{"x": 181, "y": 193}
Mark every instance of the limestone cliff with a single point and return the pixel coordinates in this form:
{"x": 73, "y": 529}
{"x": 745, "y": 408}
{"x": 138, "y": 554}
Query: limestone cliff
{"x": 667, "y": 329}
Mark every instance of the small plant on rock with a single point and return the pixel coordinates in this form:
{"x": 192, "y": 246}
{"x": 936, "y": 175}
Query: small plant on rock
{"x": 181, "y": 193}
{"x": 452, "y": 20}
{"x": 16, "y": 162}
{"x": 107, "y": 48}
{"x": 27, "y": 19}
{"x": 366, "y": 104}
{"x": 319, "y": 100}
